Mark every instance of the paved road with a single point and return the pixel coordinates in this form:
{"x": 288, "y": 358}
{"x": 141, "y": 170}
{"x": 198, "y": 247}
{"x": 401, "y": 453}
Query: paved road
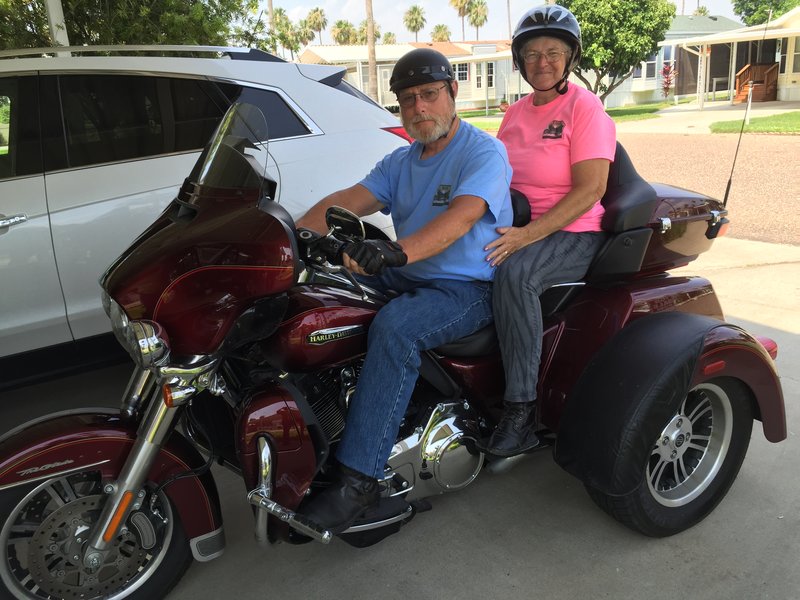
{"x": 764, "y": 201}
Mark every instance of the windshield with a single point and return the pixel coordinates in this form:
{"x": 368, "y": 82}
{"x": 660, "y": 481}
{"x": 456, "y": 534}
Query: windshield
{"x": 236, "y": 157}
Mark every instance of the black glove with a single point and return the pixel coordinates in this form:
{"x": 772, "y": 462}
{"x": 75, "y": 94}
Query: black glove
{"x": 375, "y": 255}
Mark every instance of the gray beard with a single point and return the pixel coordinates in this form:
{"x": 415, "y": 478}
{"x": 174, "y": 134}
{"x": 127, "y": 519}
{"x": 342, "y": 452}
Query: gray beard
{"x": 441, "y": 127}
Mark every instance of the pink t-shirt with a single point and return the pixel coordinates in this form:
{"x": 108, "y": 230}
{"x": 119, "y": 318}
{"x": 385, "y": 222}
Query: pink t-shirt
{"x": 543, "y": 143}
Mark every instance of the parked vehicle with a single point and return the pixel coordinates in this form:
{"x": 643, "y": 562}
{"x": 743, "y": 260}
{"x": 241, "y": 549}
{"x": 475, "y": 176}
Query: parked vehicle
{"x": 95, "y": 144}
{"x": 249, "y": 339}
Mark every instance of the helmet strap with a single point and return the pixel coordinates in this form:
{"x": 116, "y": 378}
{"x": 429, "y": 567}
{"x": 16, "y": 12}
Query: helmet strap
{"x": 561, "y": 86}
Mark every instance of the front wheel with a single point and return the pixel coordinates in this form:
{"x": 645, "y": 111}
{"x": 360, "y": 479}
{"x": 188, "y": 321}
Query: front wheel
{"x": 44, "y": 536}
{"x": 693, "y": 462}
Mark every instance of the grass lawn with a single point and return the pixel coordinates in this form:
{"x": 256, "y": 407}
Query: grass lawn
{"x": 785, "y": 123}
{"x": 637, "y": 112}
{"x": 485, "y": 124}
{"x": 3, "y": 150}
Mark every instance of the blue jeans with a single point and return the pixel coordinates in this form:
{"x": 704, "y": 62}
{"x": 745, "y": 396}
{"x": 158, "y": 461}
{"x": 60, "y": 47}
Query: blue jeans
{"x": 425, "y": 315}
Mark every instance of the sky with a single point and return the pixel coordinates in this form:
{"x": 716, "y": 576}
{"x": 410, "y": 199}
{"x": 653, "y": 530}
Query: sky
{"x": 389, "y": 15}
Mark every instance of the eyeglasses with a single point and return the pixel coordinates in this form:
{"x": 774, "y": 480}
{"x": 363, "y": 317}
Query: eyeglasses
{"x": 550, "y": 56}
{"x": 427, "y": 96}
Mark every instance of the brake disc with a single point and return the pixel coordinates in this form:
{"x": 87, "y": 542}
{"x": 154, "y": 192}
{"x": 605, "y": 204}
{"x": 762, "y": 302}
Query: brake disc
{"x": 55, "y": 556}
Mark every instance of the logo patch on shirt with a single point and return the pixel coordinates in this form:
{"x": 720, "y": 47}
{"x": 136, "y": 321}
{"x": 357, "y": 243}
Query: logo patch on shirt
{"x": 442, "y": 196}
{"x": 554, "y": 131}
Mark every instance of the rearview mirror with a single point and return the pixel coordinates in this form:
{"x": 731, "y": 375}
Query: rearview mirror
{"x": 344, "y": 224}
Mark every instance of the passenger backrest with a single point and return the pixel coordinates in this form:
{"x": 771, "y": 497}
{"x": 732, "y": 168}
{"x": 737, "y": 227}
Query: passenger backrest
{"x": 629, "y": 203}
{"x": 629, "y": 200}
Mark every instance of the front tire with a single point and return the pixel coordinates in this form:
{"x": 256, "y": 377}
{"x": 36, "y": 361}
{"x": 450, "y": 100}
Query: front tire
{"x": 694, "y": 460}
{"x": 44, "y": 535}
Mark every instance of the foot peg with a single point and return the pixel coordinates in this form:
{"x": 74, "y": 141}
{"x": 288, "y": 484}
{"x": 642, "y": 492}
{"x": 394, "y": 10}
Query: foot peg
{"x": 293, "y": 519}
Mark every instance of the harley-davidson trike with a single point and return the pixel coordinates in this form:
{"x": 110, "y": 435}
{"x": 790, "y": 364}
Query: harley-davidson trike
{"x": 248, "y": 340}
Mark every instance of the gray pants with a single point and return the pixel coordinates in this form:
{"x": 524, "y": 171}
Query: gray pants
{"x": 559, "y": 258}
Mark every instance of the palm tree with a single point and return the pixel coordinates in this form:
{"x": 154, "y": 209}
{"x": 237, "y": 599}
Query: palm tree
{"x": 478, "y": 15}
{"x": 414, "y": 20}
{"x": 462, "y": 8}
{"x": 389, "y": 38}
{"x": 701, "y": 11}
{"x": 362, "y": 32}
{"x": 508, "y": 12}
{"x": 372, "y": 65}
{"x": 440, "y": 33}
{"x": 305, "y": 33}
{"x": 343, "y": 32}
{"x": 317, "y": 21}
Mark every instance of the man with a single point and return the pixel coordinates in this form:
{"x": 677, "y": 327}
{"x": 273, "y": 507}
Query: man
{"x": 446, "y": 193}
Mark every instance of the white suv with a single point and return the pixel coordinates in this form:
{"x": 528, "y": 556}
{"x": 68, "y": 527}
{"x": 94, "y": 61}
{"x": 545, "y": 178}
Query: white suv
{"x": 93, "y": 147}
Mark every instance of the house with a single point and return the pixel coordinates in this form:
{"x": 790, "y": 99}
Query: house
{"x": 484, "y": 70}
{"x": 645, "y": 85}
{"x": 764, "y": 59}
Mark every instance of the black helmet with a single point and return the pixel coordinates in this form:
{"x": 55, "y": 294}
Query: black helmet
{"x": 550, "y": 20}
{"x": 419, "y": 66}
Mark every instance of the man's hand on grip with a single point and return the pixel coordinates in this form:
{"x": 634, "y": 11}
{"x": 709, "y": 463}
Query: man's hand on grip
{"x": 373, "y": 256}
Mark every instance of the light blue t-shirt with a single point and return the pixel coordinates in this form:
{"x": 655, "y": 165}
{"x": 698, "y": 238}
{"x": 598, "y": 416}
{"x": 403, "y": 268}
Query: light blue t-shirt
{"x": 415, "y": 191}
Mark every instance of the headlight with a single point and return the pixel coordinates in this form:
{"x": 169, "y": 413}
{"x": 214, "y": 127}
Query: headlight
{"x": 145, "y": 341}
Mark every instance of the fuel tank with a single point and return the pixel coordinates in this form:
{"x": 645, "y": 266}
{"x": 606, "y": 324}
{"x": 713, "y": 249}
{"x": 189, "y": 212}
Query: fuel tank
{"x": 323, "y": 326}
{"x": 681, "y": 224}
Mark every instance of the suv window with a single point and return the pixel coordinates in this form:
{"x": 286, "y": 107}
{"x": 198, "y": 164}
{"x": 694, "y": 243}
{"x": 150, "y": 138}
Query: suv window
{"x": 20, "y": 152}
{"x": 111, "y": 118}
{"x": 281, "y": 120}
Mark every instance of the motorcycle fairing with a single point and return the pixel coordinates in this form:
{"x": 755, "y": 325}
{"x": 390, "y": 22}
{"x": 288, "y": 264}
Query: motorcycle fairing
{"x": 78, "y": 440}
{"x": 653, "y": 362}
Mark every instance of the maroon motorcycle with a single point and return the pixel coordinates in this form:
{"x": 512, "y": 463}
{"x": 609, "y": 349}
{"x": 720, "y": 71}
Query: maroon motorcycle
{"x": 248, "y": 339}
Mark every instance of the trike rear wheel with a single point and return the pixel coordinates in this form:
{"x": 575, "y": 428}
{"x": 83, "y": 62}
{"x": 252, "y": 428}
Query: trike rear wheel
{"x": 693, "y": 462}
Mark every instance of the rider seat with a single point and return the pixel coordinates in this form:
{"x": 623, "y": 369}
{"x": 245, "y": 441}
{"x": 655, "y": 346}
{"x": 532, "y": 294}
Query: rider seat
{"x": 629, "y": 203}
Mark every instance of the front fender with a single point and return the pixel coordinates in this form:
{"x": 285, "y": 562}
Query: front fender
{"x": 71, "y": 441}
{"x": 635, "y": 382}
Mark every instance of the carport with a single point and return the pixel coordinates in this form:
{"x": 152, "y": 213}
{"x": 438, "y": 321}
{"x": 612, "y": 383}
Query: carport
{"x": 762, "y": 58}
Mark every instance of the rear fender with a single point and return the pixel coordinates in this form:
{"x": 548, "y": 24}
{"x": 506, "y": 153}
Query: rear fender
{"x": 71, "y": 441}
{"x": 641, "y": 375}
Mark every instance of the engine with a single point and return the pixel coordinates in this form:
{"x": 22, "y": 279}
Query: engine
{"x": 433, "y": 457}
{"x": 437, "y": 456}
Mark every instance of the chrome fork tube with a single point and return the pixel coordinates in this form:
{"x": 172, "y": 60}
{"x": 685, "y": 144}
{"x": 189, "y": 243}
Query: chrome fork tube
{"x": 127, "y": 492}
{"x": 265, "y": 488}
{"x": 139, "y": 387}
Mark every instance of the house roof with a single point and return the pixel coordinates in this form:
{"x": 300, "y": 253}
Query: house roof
{"x": 336, "y": 54}
{"x": 691, "y": 25}
{"x": 787, "y": 25}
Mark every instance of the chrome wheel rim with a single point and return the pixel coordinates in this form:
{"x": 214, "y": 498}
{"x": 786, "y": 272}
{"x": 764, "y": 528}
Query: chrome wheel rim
{"x": 691, "y": 449}
{"x": 44, "y": 537}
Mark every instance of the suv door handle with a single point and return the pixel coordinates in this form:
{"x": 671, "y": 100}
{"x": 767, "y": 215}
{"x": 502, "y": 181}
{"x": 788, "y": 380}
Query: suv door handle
{"x": 14, "y": 220}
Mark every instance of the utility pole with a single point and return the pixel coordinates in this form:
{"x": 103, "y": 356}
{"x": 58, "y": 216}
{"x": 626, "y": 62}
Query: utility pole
{"x": 55, "y": 18}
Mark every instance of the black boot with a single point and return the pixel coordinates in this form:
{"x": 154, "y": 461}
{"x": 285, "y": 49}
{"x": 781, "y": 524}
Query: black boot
{"x": 514, "y": 433}
{"x": 344, "y": 501}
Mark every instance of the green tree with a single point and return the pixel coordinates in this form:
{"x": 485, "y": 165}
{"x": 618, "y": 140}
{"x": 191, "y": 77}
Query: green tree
{"x": 317, "y": 21}
{"x": 305, "y": 33}
{"x": 755, "y": 12}
{"x": 414, "y": 20}
{"x": 389, "y": 38}
{"x": 362, "y": 32}
{"x": 701, "y": 11}
{"x": 23, "y": 23}
{"x": 617, "y": 35}
{"x": 344, "y": 32}
{"x": 478, "y": 15}
{"x": 462, "y": 8}
{"x": 440, "y": 33}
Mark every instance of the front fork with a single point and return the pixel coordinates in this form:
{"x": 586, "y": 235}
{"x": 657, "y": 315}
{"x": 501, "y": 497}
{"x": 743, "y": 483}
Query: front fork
{"x": 127, "y": 493}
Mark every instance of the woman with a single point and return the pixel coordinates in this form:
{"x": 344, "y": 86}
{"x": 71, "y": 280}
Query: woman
{"x": 560, "y": 143}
